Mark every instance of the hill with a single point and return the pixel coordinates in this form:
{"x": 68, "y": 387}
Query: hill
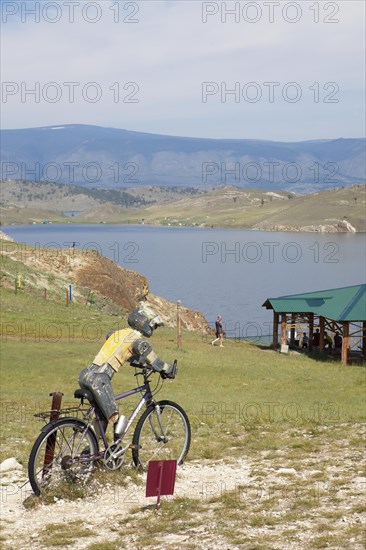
{"x": 335, "y": 210}
{"x": 96, "y": 281}
{"x": 108, "y": 157}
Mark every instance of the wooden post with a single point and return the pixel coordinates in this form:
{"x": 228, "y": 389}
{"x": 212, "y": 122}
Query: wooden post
{"x": 345, "y": 342}
{"x": 179, "y": 326}
{"x": 179, "y": 333}
{"x": 275, "y": 329}
{"x": 292, "y": 330}
{"x": 283, "y": 329}
{"x": 322, "y": 327}
{"x": 311, "y": 330}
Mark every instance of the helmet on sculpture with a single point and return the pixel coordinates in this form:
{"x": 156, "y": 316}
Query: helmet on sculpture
{"x": 145, "y": 320}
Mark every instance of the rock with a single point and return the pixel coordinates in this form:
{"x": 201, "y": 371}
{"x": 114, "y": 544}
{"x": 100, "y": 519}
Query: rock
{"x": 10, "y": 464}
{"x": 287, "y": 471}
{"x": 6, "y": 237}
{"x": 361, "y": 480}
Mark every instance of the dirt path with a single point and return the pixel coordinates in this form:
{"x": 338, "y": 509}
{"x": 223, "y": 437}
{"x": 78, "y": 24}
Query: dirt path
{"x": 276, "y": 507}
{"x": 21, "y": 527}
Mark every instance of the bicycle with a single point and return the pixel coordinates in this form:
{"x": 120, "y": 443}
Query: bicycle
{"x": 67, "y": 449}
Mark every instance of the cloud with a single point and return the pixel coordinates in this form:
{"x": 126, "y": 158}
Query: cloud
{"x": 163, "y": 52}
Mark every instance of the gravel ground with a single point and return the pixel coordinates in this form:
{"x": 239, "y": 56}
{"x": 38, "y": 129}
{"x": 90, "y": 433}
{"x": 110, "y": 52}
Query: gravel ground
{"x": 317, "y": 501}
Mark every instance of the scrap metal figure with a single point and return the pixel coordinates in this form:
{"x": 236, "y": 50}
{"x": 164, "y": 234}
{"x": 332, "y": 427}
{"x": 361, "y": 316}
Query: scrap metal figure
{"x": 122, "y": 346}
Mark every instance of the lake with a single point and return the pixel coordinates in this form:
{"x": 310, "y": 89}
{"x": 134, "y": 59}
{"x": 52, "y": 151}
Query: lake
{"x": 229, "y": 272}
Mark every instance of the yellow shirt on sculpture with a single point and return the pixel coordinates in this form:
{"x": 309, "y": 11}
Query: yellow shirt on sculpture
{"x": 118, "y": 348}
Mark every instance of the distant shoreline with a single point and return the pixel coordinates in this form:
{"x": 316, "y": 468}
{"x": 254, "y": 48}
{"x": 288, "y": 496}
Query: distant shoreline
{"x": 177, "y": 226}
{"x": 337, "y": 210}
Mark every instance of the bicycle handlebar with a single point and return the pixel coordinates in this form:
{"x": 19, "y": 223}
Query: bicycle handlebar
{"x": 148, "y": 367}
{"x": 139, "y": 365}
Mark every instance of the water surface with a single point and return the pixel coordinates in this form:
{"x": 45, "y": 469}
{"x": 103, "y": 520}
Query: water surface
{"x": 218, "y": 271}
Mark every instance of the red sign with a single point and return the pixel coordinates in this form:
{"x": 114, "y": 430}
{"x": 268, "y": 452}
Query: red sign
{"x": 161, "y": 478}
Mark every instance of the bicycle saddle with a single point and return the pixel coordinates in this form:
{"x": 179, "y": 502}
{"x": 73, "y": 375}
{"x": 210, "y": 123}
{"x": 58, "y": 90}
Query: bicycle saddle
{"x": 83, "y": 394}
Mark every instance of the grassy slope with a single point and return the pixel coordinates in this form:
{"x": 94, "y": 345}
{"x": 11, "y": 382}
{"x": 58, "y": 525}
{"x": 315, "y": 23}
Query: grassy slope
{"x": 312, "y": 209}
{"x": 325, "y": 207}
{"x": 225, "y": 207}
{"x": 18, "y": 215}
{"x": 244, "y": 402}
{"x": 45, "y": 344}
{"x": 219, "y": 209}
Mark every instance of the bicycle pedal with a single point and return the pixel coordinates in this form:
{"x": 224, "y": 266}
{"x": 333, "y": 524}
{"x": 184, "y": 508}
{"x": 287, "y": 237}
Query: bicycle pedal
{"x": 132, "y": 446}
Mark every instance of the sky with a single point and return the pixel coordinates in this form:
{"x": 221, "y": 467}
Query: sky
{"x": 274, "y": 70}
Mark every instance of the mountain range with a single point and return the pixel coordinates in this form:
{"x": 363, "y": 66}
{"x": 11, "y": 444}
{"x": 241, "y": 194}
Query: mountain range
{"x": 94, "y": 156}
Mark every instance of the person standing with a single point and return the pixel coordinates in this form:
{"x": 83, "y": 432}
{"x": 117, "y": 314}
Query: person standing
{"x": 305, "y": 341}
{"x": 316, "y": 340}
{"x": 219, "y": 332}
{"x": 327, "y": 341}
{"x": 337, "y": 341}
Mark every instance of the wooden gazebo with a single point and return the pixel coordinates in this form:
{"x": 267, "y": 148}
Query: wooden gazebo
{"x": 341, "y": 310}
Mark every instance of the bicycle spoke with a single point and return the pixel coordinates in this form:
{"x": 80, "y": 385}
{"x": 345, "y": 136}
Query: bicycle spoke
{"x": 162, "y": 433}
{"x": 63, "y": 453}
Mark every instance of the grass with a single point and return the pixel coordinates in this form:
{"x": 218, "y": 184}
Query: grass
{"x": 313, "y": 209}
{"x": 222, "y": 207}
{"x": 175, "y": 517}
{"x": 110, "y": 545}
{"x": 243, "y": 401}
{"x": 62, "y": 534}
{"x": 233, "y": 393}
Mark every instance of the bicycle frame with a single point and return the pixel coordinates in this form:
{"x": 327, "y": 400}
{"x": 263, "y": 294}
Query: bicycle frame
{"x": 147, "y": 396}
{"x": 77, "y": 431}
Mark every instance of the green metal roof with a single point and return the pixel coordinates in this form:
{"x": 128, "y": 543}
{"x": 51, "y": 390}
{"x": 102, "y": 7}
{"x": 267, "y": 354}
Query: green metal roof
{"x": 339, "y": 304}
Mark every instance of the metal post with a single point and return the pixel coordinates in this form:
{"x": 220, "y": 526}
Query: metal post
{"x": 56, "y": 405}
{"x": 160, "y": 480}
{"x": 51, "y": 441}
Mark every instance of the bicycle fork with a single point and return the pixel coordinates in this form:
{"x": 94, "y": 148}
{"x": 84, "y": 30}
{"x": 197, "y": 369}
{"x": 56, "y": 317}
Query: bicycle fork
{"x": 162, "y": 435}
{"x": 159, "y": 435}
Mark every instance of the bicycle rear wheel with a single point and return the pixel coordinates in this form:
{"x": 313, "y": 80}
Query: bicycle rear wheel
{"x": 162, "y": 433}
{"x": 62, "y": 454}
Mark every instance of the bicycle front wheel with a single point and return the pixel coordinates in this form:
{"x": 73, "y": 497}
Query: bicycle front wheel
{"x": 162, "y": 433}
{"x": 63, "y": 454}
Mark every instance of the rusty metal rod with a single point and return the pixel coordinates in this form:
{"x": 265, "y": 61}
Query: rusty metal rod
{"x": 51, "y": 441}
